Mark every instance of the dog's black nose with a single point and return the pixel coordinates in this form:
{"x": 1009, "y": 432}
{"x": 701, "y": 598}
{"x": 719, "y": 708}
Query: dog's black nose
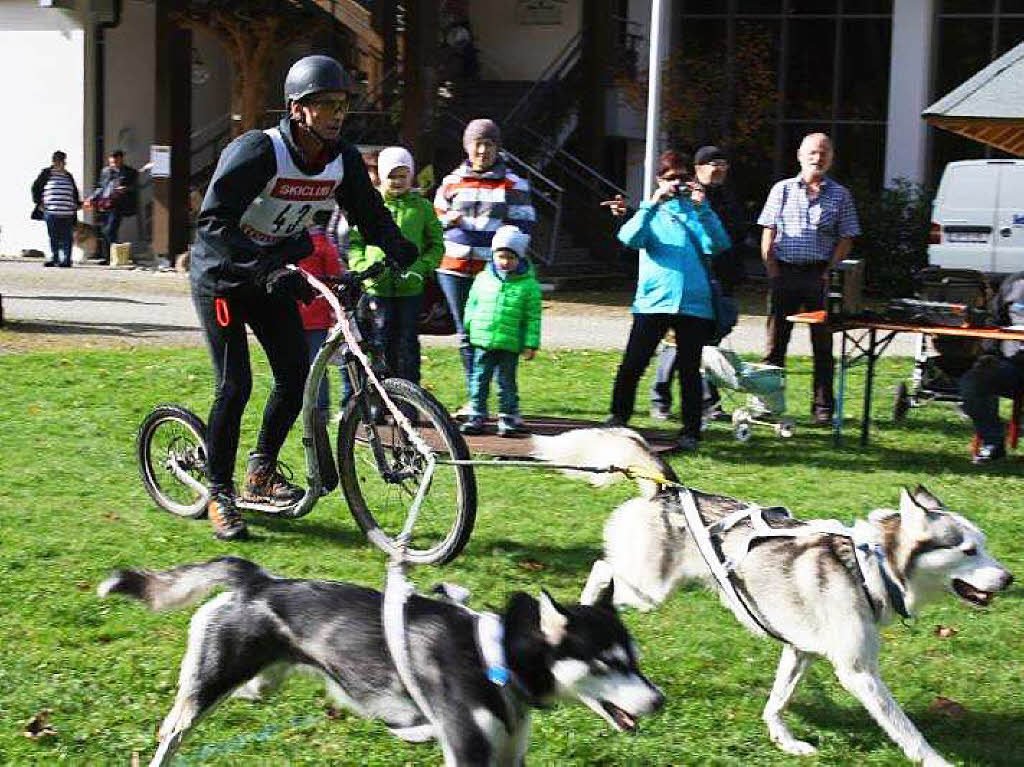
{"x": 1009, "y": 579}
{"x": 659, "y": 701}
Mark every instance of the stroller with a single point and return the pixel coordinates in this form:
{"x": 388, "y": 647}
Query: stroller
{"x": 763, "y": 385}
{"x": 940, "y": 361}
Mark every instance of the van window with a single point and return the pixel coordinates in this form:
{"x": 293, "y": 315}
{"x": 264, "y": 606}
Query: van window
{"x": 971, "y": 186}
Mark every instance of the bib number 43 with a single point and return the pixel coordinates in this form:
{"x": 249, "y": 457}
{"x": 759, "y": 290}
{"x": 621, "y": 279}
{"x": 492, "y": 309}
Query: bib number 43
{"x": 282, "y": 223}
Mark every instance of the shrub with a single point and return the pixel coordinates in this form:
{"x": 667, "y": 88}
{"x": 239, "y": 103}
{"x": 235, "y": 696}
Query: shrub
{"x": 894, "y": 235}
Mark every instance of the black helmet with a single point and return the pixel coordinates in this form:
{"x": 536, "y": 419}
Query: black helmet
{"x": 315, "y": 74}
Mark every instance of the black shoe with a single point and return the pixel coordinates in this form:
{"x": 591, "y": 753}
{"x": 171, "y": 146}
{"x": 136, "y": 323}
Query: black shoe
{"x": 988, "y": 454}
{"x": 686, "y": 444}
{"x": 473, "y": 425}
{"x": 821, "y": 419}
{"x": 65, "y": 265}
{"x": 225, "y": 517}
{"x": 264, "y": 483}
{"x": 613, "y": 421}
{"x": 49, "y": 263}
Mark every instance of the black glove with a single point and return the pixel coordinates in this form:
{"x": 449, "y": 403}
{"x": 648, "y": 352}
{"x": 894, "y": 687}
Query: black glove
{"x": 289, "y": 282}
{"x": 349, "y": 287}
{"x": 402, "y": 257}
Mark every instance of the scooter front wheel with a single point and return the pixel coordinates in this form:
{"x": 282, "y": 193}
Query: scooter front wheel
{"x": 381, "y": 471}
{"x": 171, "y": 451}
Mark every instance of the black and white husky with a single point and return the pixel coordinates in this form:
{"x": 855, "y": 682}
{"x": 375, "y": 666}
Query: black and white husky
{"x": 821, "y": 589}
{"x": 243, "y": 641}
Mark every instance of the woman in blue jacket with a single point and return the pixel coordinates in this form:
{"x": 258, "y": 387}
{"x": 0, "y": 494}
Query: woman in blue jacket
{"x": 675, "y": 231}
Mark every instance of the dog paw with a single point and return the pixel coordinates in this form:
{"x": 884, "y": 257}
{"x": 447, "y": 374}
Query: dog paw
{"x": 795, "y": 747}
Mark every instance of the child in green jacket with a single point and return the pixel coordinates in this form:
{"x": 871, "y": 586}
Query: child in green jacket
{"x": 502, "y": 320}
{"x": 396, "y": 299}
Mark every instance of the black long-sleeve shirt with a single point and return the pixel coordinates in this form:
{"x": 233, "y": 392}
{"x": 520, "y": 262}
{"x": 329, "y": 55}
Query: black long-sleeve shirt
{"x": 224, "y": 258}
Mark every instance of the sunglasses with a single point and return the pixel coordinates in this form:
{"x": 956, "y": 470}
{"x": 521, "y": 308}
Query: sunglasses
{"x": 672, "y": 177}
{"x": 718, "y": 163}
{"x": 330, "y": 103}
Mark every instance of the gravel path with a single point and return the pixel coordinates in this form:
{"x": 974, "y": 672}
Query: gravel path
{"x": 91, "y": 306}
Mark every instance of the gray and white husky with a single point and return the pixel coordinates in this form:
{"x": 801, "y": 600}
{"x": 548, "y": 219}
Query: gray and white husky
{"x": 817, "y": 590}
{"x": 243, "y": 641}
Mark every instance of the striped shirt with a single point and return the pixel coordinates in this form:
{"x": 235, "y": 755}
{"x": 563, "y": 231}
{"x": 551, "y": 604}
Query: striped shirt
{"x": 59, "y": 195}
{"x": 486, "y": 201}
{"x": 806, "y": 231}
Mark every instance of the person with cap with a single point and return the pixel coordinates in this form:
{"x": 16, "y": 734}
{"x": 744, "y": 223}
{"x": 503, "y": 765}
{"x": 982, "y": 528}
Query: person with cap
{"x": 56, "y": 201}
{"x": 503, "y": 321}
{"x": 473, "y": 202}
{"x": 809, "y": 222}
{"x": 711, "y": 167}
{"x": 115, "y": 197}
{"x": 677, "y": 233}
{"x": 395, "y": 300}
{"x": 263, "y": 196}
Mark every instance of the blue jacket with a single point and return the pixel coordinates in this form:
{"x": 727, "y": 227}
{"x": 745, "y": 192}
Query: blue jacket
{"x": 672, "y": 279}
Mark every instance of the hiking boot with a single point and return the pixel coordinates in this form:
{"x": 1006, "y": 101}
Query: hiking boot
{"x": 473, "y": 425}
{"x": 988, "y": 454}
{"x": 660, "y": 413}
{"x": 264, "y": 483}
{"x": 225, "y": 517}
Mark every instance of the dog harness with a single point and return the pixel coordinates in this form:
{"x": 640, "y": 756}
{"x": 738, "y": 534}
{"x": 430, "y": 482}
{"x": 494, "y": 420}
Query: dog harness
{"x": 490, "y": 633}
{"x": 870, "y": 556}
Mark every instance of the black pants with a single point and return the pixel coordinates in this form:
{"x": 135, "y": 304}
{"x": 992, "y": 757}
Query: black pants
{"x": 802, "y": 289}
{"x": 645, "y": 335}
{"x": 278, "y": 327}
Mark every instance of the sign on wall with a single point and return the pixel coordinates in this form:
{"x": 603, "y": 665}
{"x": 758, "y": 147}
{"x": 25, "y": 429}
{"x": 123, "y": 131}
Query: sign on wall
{"x": 539, "y": 13}
{"x": 160, "y": 161}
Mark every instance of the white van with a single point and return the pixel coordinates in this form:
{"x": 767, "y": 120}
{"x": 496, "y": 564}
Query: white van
{"x": 978, "y": 217}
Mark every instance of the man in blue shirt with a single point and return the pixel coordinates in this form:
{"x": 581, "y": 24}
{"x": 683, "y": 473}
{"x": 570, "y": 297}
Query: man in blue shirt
{"x": 809, "y": 224}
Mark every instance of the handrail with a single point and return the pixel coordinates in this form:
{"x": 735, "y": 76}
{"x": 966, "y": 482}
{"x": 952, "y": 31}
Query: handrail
{"x": 556, "y": 65}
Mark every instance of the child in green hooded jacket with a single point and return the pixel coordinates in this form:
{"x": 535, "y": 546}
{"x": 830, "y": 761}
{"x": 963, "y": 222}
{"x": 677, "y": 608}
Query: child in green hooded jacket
{"x": 502, "y": 319}
{"x": 396, "y": 299}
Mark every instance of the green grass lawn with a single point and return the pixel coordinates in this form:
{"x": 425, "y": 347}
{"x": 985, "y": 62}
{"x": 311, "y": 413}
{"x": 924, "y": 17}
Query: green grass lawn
{"x": 72, "y": 508}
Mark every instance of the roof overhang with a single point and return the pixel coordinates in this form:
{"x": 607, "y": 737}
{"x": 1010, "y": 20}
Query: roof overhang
{"x": 989, "y": 106}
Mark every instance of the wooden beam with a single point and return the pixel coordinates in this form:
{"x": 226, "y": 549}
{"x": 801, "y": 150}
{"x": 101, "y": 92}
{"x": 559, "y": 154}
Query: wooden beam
{"x": 173, "y": 125}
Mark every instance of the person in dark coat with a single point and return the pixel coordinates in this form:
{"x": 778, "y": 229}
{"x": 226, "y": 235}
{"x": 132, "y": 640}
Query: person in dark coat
{"x": 115, "y": 197}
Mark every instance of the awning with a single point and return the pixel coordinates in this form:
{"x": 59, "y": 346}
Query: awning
{"x": 989, "y": 107}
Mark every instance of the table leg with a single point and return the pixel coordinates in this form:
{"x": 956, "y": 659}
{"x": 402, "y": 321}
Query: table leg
{"x": 837, "y": 416}
{"x": 869, "y": 381}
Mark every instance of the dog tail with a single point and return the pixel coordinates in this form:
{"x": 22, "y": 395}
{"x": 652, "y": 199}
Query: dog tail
{"x": 183, "y": 585}
{"x": 603, "y": 448}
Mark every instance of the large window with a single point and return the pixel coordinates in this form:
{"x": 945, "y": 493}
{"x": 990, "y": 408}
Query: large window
{"x": 970, "y": 34}
{"x": 781, "y": 69}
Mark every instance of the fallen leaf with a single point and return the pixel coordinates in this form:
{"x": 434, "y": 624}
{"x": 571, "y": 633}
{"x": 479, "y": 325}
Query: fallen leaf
{"x": 948, "y": 707}
{"x": 111, "y": 516}
{"x": 529, "y": 564}
{"x": 83, "y": 586}
{"x": 945, "y": 632}
{"x": 38, "y": 727}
